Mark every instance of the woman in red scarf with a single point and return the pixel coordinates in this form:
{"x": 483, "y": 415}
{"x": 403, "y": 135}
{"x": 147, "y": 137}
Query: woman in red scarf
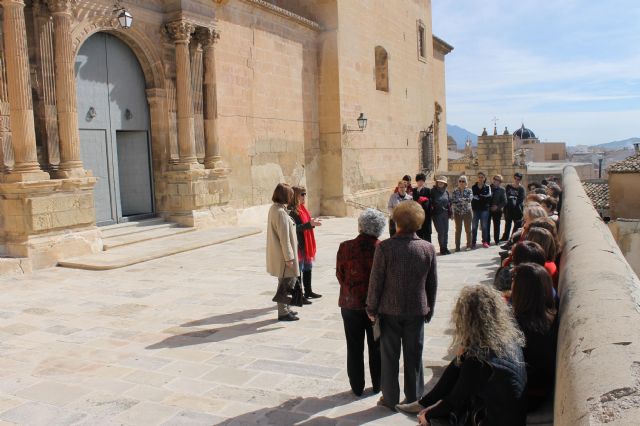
{"x": 306, "y": 239}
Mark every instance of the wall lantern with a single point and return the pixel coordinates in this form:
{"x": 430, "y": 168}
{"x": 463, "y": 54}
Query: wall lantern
{"x": 362, "y": 124}
{"x": 125, "y": 20}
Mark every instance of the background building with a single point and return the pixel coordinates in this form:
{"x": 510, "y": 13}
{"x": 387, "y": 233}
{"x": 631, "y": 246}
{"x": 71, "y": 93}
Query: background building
{"x": 199, "y": 109}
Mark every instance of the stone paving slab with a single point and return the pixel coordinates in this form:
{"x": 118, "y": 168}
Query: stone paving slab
{"x": 192, "y": 339}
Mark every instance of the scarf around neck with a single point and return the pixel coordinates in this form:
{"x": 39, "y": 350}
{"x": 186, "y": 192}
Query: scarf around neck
{"x": 309, "y": 237}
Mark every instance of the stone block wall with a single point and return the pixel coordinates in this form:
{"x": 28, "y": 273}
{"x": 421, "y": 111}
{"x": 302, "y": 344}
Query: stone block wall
{"x": 598, "y": 372}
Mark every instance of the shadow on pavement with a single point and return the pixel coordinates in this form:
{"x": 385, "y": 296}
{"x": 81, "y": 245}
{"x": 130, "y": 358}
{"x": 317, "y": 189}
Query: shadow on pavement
{"x": 306, "y": 409}
{"x": 211, "y": 335}
{"x": 230, "y": 318}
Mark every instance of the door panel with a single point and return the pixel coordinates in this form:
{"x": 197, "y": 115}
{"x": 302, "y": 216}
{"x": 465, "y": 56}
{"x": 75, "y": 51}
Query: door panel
{"x": 113, "y": 116}
{"x": 134, "y": 177}
{"x": 94, "y": 157}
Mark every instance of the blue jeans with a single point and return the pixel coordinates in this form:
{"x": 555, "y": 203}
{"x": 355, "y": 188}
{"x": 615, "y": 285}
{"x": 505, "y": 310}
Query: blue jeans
{"x": 481, "y": 216}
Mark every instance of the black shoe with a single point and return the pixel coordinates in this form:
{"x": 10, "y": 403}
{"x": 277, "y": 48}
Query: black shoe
{"x": 288, "y": 317}
{"x": 447, "y": 251}
{"x": 504, "y": 238}
{"x": 376, "y": 389}
{"x": 506, "y": 246}
{"x": 457, "y": 249}
{"x": 306, "y": 301}
{"x": 293, "y": 312}
{"x": 312, "y": 295}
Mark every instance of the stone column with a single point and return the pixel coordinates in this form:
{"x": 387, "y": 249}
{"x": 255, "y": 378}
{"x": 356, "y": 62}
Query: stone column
{"x": 6, "y": 150}
{"x": 181, "y": 32}
{"x": 212, "y": 160}
{"x": 23, "y": 134}
{"x": 196, "y": 90}
{"x": 65, "y": 87}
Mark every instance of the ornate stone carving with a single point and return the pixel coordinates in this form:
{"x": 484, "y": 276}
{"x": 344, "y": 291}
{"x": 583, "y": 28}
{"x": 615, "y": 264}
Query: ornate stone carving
{"x": 62, "y": 6}
{"x": 207, "y": 36}
{"x": 180, "y": 31}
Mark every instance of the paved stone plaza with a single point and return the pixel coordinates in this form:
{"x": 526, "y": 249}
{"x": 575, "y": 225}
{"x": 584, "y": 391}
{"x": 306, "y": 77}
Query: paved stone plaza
{"x": 193, "y": 339}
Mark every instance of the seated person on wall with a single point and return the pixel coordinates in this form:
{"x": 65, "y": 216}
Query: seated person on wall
{"x": 535, "y": 310}
{"x": 353, "y": 268}
{"x": 532, "y": 211}
{"x": 545, "y": 239}
{"x": 485, "y": 383}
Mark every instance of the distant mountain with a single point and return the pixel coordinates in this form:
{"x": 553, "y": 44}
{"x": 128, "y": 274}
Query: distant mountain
{"x": 626, "y": 143}
{"x": 460, "y": 135}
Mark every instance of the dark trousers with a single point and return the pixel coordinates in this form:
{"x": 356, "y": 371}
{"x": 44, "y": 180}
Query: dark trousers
{"x": 406, "y": 332}
{"x": 508, "y": 220}
{"x": 441, "y": 223}
{"x": 481, "y": 216}
{"x": 495, "y": 218}
{"x": 356, "y": 325}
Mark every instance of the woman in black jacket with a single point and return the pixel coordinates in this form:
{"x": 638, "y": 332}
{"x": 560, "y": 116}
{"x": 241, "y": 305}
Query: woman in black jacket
{"x": 422, "y": 195}
{"x": 480, "y": 207}
{"x": 306, "y": 238}
{"x": 486, "y": 380}
{"x": 498, "y": 201}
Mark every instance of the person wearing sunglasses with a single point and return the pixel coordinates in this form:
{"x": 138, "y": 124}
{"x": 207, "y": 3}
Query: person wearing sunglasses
{"x": 306, "y": 238}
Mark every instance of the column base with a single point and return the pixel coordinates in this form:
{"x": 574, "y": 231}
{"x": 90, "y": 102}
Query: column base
{"x": 26, "y": 176}
{"x": 182, "y": 167}
{"x": 70, "y": 173}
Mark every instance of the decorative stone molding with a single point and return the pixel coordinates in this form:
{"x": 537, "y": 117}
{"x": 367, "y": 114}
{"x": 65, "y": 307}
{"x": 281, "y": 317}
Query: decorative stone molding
{"x": 180, "y": 31}
{"x": 207, "y": 36}
{"x": 285, "y": 14}
{"x": 62, "y": 6}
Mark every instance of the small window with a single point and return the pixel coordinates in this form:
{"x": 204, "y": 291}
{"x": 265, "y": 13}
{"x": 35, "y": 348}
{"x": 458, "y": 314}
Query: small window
{"x": 422, "y": 41}
{"x": 382, "y": 69}
{"x": 555, "y": 156}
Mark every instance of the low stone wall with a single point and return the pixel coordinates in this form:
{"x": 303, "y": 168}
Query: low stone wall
{"x": 598, "y": 359}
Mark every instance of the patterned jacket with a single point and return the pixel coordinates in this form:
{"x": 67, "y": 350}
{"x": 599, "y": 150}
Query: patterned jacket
{"x": 403, "y": 277}
{"x": 353, "y": 268}
{"x": 461, "y": 201}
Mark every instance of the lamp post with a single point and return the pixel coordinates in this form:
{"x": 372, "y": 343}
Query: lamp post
{"x": 362, "y": 124}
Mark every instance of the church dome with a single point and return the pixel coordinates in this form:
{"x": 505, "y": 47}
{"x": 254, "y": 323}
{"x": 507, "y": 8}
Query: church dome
{"x": 523, "y": 133}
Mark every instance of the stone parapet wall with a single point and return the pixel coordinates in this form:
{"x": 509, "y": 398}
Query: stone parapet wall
{"x": 598, "y": 359}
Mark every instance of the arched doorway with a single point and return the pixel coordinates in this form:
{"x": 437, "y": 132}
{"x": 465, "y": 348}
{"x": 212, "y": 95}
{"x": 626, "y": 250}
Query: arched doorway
{"x": 114, "y": 128}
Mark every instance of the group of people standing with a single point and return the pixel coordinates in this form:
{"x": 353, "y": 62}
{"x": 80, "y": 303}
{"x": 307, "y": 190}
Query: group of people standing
{"x": 477, "y": 207}
{"x": 504, "y": 337}
{"x": 291, "y": 247}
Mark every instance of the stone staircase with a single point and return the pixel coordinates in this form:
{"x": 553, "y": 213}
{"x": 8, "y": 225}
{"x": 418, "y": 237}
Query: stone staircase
{"x": 135, "y": 242}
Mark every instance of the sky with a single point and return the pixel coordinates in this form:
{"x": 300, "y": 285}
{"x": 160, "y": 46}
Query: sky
{"x": 568, "y": 69}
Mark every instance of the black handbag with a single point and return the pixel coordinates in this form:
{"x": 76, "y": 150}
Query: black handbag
{"x": 296, "y": 294}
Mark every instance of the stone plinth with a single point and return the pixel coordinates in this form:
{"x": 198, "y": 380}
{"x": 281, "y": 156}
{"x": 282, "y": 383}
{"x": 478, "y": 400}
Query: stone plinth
{"x": 48, "y": 220}
{"x": 196, "y": 198}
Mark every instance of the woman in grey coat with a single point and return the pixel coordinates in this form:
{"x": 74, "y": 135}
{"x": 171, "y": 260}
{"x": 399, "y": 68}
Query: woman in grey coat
{"x": 441, "y": 212}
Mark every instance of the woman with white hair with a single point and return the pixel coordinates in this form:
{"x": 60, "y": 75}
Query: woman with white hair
{"x": 353, "y": 268}
{"x": 486, "y": 381}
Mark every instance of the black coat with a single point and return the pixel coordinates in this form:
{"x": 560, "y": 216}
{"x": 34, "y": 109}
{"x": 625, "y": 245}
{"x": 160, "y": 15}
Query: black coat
{"x": 426, "y": 206}
{"x": 515, "y": 202}
{"x": 498, "y": 198}
{"x": 481, "y": 197}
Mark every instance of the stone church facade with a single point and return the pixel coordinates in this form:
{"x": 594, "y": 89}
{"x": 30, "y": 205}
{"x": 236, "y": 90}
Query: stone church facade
{"x": 202, "y": 106}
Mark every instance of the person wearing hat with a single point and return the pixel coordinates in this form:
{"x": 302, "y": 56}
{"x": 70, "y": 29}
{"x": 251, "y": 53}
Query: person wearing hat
{"x": 441, "y": 212}
{"x": 515, "y": 206}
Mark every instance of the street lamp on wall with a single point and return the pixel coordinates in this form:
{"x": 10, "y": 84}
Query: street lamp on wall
{"x": 362, "y": 124}
{"x": 125, "y": 20}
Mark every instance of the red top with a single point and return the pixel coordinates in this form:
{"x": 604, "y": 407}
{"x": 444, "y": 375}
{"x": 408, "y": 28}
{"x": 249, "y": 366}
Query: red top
{"x": 553, "y": 271}
{"x": 353, "y": 268}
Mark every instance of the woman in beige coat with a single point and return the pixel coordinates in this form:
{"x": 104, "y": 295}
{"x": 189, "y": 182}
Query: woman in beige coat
{"x": 282, "y": 250}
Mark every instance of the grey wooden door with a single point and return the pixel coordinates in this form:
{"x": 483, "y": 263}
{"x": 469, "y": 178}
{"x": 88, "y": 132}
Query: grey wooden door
{"x": 114, "y": 128}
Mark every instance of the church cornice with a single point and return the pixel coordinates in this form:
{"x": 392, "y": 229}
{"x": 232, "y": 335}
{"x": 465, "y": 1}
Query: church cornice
{"x": 262, "y": 4}
{"x": 441, "y": 45}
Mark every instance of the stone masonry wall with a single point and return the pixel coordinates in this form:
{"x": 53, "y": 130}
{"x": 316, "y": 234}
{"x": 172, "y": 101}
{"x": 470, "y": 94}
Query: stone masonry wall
{"x": 598, "y": 359}
{"x": 267, "y": 91}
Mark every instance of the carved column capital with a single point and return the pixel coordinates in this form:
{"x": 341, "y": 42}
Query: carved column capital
{"x": 207, "y": 36}
{"x": 63, "y": 7}
{"x": 8, "y": 3}
{"x": 180, "y": 31}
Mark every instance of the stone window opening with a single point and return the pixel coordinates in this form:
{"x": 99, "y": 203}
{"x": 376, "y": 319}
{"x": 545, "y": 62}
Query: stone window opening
{"x": 422, "y": 41}
{"x": 382, "y": 69}
{"x": 555, "y": 157}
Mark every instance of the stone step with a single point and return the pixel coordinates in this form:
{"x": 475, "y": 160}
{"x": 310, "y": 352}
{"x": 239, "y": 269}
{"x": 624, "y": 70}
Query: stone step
{"x": 138, "y": 236}
{"x": 132, "y": 254}
{"x": 132, "y": 227}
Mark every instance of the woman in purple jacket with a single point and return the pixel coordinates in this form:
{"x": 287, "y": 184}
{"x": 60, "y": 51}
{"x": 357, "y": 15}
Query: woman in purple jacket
{"x": 402, "y": 296}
